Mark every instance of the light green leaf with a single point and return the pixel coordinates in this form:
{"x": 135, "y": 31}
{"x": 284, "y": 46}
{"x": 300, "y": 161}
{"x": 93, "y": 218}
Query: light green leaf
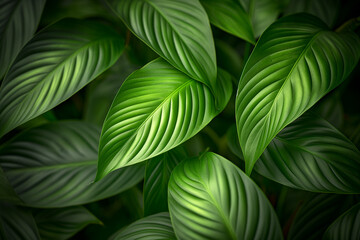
{"x": 157, "y": 175}
{"x": 346, "y": 226}
{"x": 7, "y": 193}
{"x": 153, "y": 227}
{"x": 62, "y": 223}
{"x": 230, "y": 17}
{"x": 210, "y": 198}
{"x": 178, "y": 31}
{"x": 17, "y": 223}
{"x": 294, "y": 64}
{"x": 316, "y": 215}
{"x": 18, "y": 22}
{"x": 54, "y": 164}
{"x": 156, "y": 109}
{"x": 55, "y": 64}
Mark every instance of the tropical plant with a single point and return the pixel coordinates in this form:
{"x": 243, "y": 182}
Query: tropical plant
{"x": 179, "y": 119}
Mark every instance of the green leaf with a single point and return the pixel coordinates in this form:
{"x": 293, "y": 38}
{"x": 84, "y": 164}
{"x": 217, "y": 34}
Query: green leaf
{"x": 55, "y": 64}
{"x": 230, "y": 17}
{"x": 330, "y": 108}
{"x": 316, "y": 215}
{"x": 7, "y": 193}
{"x": 62, "y": 223}
{"x": 54, "y": 164}
{"x": 210, "y": 198}
{"x": 151, "y": 115}
{"x": 346, "y": 226}
{"x": 156, "y": 226}
{"x": 178, "y": 31}
{"x": 294, "y": 64}
{"x": 18, "y": 22}
{"x": 157, "y": 175}
{"x": 17, "y": 223}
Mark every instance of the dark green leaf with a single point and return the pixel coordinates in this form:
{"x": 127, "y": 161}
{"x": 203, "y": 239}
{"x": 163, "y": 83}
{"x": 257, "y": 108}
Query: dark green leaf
{"x": 62, "y": 223}
{"x": 331, "y": 109}
{"x": 54, "y": 65}
{"x": 210, "y": 198}
{"x": 18, "y": 22}
{"x": 156, "y": 109}
{"x": 154, "y": 227}
{"x": 157, "y": 175}
{"x": 178, "y": 31}
{"x": 7, "y": 193}
{"x": 54, "y": 164}
{"x": 294, "y": 64}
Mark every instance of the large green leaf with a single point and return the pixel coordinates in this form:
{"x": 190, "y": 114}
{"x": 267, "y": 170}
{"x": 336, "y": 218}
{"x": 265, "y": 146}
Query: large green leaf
{"x": 346, "y": 226}
{"x": 230, "y": 17}
{"x": 54, "y": 164}
{"x": 295, "y": 63}
{"x": 54, "y": 65}
{"x": 156, "y": 109}
{"x": 18, "y": 22}
{"x": 179, "y": 31}
{"x": 17, "y": 223}
{"x": 210, "y": 198}
{"x": 7, "y": 193}
{"x": 154, "y": 227}
{"x": 62, "y": 223}
{"x": 316, "y": 215}
{"x": 157, "y": 175}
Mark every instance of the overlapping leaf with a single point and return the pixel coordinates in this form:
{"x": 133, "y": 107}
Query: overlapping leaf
{"x": 157, "y": 226}
{"x": 156, "y": 109}
{"x": 295, "y": 63}
{"x": 7, "y": 193}
{"x": 18, "y": 22}
{"x": 54, "y": 65}
{"x": 54, "y": 164}
{"x": 62, "y": 223}
{"x": 157, "y": 175}
{"x": 346, "y": 226}
{"x": 179, "y": 31}
{"x": 230, "y": 17}
{"x": 210, "y": 198}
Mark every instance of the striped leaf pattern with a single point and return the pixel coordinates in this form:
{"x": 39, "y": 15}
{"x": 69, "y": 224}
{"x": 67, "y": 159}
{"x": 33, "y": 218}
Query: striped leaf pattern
{"x": 295, "y": 63}
{"x": 156, "y": 109}
{"x": 18, "y": 22}
{"x": 178, "y": 31}
{"x": 157, "y": 175}
{"x": 54, "y": 164}
{"x": 154, "y": 227}
{"x": 54, "y": 65}
{"x": 210, "y": 198}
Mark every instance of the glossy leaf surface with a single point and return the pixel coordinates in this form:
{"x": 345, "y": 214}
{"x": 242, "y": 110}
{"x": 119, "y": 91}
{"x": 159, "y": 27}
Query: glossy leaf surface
{"x": 157, "y": 175}
{"x": 230, "y": 17}
{"x": 178, "y": 31}
{"x": 55, "y": 64}
{"x": 156, "y": 109}
{"x": 210, "y": 198}
{"x": 62, "y": 223}
{"x": 18, "y": 22}
{"x": 295, "y": 63}
{"x": 53, "y": 166}
{"x": 157, "y": 226}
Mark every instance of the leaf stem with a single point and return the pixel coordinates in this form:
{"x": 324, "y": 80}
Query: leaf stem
{"x": 350, "y": 25}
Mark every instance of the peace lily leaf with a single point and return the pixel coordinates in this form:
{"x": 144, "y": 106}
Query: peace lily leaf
{"x": 17, "y": 223}
{"x": 157, "y": 175}
{"x": 55, "y": 64}
{"x": 230, "y": 17}
{"x": 151, "y": 115}
{"x": 346, "y": 226}
{"x": 62, "y": 223}
{"x": 316, "y": 215}
{"x": 326, "y": 10}
{"x": 295, "y": 63}
{"x": 210, "y": 198}
{"x": 178, "y": 31}
{"x": 7, "y": 193}
{"x": 54, "y": 164}
{"x": 18, "y": 22}
{"x": 156, "y": 226}
{"x": 330, "y": 108}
